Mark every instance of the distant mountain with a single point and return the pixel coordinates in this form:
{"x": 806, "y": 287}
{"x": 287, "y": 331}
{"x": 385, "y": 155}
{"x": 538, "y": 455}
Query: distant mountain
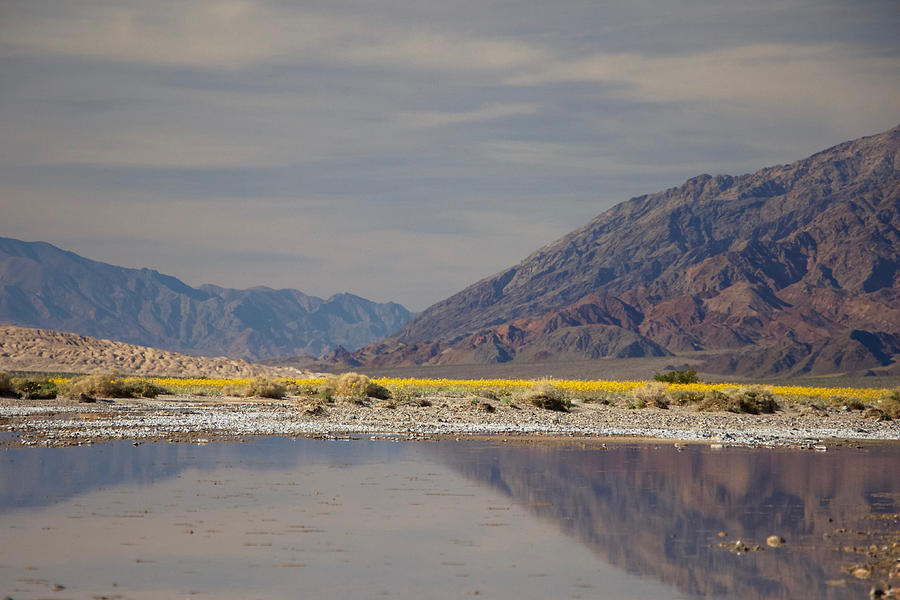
{"x": 793, "y": 269}
{"x": 46, "y": 287}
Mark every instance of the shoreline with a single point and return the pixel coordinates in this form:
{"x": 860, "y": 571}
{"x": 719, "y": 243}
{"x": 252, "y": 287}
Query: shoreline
{"x": 194, "y": 419}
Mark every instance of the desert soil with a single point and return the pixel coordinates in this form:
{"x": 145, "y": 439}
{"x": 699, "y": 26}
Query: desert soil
{"x": 198, "y": 419}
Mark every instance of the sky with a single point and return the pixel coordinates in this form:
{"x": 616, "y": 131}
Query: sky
{"x": 404, "y": 149}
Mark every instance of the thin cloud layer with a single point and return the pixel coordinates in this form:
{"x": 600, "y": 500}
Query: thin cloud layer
{"x": 405, "y": 149}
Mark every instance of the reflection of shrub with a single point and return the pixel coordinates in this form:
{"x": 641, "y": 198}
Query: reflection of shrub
{"x": 263, "y": 387}
{"x": 353, "y": 387}
{"x": 547, "y": 396}
{"x": 753, "y": 399}
{"x": 651, "y": 394}
{"x": 6, "y": 387}
{"x": 679, "y": 376}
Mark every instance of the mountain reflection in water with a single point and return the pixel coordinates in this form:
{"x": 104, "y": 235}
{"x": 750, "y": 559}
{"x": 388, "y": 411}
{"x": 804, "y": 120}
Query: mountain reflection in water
{"x": 657, "y": 511}
{"x": 649, "y": 509}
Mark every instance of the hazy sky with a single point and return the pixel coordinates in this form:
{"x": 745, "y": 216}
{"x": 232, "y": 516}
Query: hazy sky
{"x": 403, "y": 149}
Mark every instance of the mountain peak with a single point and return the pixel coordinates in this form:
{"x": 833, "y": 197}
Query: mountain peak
{"x": 720, "y": 263}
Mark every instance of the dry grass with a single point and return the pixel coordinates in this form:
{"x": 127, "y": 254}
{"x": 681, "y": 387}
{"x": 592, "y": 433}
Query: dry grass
{"x": 544, "y": 394}
{"x": 6, "y": 386}
{"x": 108, "y": 385}
{"x": 651, "y": 394}
{"x": 890, "y": 406}
{"x": 752, "y": 399}
{"x": 263, "y": 387}
{"x": 353, "y": 387}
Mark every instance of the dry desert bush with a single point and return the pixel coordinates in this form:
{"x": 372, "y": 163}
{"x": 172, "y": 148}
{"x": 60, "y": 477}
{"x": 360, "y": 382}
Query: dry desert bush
{"x": 352, "y": 387}
{"x": 108, "y": 385}
{"x": 651, "y": 394}
{"x": 544, "y": 394}
{"x": 890, "y": 405}
{"x": 753, "y": 399}
{"x": 6, "y": 386}
{"x": 263, "y": 387}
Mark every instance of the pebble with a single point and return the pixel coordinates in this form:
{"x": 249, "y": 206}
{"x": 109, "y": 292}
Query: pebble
{"x": 65, "y": 424}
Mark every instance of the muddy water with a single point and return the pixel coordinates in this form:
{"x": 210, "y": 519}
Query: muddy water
{"x": 286, "y": 518}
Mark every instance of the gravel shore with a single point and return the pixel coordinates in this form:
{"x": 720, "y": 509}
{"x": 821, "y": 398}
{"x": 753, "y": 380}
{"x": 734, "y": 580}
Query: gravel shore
{"x": 196, "y": 419}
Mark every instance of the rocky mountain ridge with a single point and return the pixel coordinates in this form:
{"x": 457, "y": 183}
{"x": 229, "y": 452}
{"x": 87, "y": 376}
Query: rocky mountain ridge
{"x": 792, "y": 269}
{"x": 47, "y": 287}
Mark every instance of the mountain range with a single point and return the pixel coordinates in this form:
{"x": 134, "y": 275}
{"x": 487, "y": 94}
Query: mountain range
{"x": 46, "y": 287}
{"x": 790, "y": 270}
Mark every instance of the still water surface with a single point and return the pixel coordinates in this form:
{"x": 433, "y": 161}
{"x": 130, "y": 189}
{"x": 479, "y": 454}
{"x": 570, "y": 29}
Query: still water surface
{"x": 289, "y": 518}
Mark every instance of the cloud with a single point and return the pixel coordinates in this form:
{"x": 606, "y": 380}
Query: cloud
{"x": 826, "y": 77}
{"x": 441, "y": 50}
{"x": 487, "y": 112}
{"x": 201, "y": 33}
{"x": 228, "y": 34}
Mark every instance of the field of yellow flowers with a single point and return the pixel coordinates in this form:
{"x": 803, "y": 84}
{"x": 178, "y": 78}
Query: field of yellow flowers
{"x": 575, "y": 388}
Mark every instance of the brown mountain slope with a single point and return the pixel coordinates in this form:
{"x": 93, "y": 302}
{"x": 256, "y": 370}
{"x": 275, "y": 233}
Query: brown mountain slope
{"x": 798, "y": 260}
{"x": 26, "y": 349}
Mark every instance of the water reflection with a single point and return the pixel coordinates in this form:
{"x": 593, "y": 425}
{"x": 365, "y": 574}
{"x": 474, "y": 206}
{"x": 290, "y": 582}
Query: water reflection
{"x": 425, "y": 518}
{"x": 657, "y": 511}
{"x": 33, "y": 477}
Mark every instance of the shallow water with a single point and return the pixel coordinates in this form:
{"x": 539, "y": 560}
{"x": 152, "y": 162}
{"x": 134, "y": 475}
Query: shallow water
{"x": 286, "y": 518}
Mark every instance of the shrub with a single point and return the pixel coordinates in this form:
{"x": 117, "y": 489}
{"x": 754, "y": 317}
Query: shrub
{"x": 145, "y": 389}
{"x": 651, "y": 394}
{"x": 263, "y": 387}
{"x": 354, "y": 387}
{"x": 35, "y": 389}
{"x": 375, "y": 390}
{"x": 479, "y": 404}
{"x": 107, "y": 385}
{"x": 845, "y": 403}
{"x": 6, "y": 387}
{"x": 890, "y": 405}
{"x": 678, "y": 376}
{"x": 605, "y": 398}
{"x": 683, "y": 397}
{"x": 757, "y": 399}
{"x": 547, "y": 396}
{"x": 234, "y": 391}
{"x": 856, "y": 405}
{"x": 716, "y": 401}
{"x": 753, "y": 399}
